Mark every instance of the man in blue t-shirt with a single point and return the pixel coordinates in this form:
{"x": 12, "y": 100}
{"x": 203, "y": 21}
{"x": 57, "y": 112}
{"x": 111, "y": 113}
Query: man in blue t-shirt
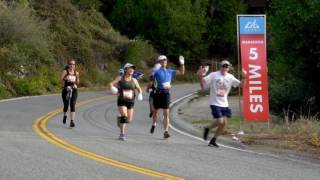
{"x": 161, "y": 98}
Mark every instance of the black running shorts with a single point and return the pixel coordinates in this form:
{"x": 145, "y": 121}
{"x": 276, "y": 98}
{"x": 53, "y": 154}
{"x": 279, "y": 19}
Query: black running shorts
{"x": 128, "y": 104}
{"x": 161, "y": 100}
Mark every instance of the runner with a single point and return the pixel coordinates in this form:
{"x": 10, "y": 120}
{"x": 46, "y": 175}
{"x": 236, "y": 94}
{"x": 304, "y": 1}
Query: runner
{"x": 150, "y": 88}
{"x": 219, "y": 84}
{"x": 70, "y": 79}
{"x": 161, "y": 97}
{"x": 125, "y": 86}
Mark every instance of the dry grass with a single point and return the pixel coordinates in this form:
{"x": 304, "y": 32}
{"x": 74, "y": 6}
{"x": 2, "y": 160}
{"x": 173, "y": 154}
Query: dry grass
{"x": 303, "y": 134}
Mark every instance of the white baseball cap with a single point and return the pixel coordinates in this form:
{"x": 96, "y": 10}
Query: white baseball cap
{"x": 225, "y": 62}
{"x": 162, "y": 57}
{"x": 128, "y": 65}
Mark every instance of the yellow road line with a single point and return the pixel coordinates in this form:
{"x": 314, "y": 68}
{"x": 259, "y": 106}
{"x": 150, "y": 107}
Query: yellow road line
{"x": 40, "y": 127}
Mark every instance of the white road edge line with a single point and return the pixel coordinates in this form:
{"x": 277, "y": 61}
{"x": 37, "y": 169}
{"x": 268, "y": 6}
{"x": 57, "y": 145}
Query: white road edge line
{"x": 200, "y": 139}
{"x": 25, "y": 97}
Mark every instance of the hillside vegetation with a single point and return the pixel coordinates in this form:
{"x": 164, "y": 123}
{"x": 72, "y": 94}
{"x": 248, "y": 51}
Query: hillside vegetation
{"x": 38, "y": 38}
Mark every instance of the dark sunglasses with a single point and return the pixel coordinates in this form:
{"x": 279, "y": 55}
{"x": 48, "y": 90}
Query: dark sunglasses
{"x": 72, "y": 64}
{"x": 225, "y": 66}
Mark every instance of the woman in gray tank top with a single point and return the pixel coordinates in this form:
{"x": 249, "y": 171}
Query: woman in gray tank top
{"x": 125, "y": 87}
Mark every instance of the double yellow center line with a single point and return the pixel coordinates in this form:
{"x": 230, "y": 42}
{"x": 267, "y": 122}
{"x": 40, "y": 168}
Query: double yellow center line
{"x": 40, "y": 127}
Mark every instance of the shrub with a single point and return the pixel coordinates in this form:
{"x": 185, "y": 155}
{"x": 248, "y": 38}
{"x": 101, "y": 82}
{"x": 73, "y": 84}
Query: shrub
{"x": 140, "y": 53}
{"x": 4, "y": 93}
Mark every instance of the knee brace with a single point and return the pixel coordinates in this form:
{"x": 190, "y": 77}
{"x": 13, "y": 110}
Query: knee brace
{"x": 123, "y": 119}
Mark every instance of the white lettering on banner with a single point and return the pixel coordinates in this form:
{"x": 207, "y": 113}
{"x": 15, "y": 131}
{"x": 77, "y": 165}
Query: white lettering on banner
{"x": 257, "y": 108}
{"x": 252, "y": 25}
{"x": 252, "y": 42}
{"x": 255, "y": 82}
{"x": 255, "y": 97}
{"x": 253, "y": 70}
{"x": 252, "y": 88}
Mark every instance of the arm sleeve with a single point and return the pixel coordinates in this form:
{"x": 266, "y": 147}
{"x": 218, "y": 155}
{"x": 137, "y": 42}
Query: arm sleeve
{"x": 173, "y": 72}
{"x": 235, "y": 82}
{"x": 207, "y": 80}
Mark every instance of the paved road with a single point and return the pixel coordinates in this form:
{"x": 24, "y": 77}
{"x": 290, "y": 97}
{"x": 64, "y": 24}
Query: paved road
{"x": 92, "y": 151}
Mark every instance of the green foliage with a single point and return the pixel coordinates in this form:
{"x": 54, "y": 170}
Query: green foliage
{"x": 140, "y": 53}
{"x": 29, "y": 86}
{"x": 25, "y": 47}
{"x": 295, "y": 56}
{"x": 85, "y": 36}
{"x": 38, "y": 38}
{"x": 4, "y": 93}
{"x": 173, "y": 27}
{"x": 222, "y": 27}
{"x": 45, "y": 79}
{"x": 88, "y": 4}
{"x": 186, "y": 27}
{"x": 23, "y": 38}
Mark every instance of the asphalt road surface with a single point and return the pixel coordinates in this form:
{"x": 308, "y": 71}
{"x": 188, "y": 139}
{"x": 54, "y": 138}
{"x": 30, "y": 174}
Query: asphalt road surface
{"x": 35, "y": 145}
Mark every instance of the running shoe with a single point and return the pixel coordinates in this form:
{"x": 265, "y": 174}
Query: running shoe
{"x": 64, "y": 120}
{"x": 205, "y": 133}
{"x": 152, "y": 129}
{"x": 213, "y": 143}
{"x": 72, "y": 124}
{"x": 166, "y": 134}
{"x": 122, "y": 137}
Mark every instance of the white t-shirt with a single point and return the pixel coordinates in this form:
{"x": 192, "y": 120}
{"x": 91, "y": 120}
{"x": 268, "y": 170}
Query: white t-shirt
{"x": 220, "y": 86}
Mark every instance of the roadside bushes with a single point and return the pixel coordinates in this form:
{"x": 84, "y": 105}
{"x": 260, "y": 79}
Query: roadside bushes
{"x": 140, "y": 53}
{"x": 25, "y": 46}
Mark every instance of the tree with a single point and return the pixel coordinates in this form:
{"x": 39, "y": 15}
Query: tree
{"x": 222, "y": 27}
{"x": 173, "y": 27}
{"x": 295, "y": 60}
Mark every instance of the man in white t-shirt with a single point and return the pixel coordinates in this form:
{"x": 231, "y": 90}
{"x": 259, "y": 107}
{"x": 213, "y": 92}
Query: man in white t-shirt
{"x": 219, "y": 84}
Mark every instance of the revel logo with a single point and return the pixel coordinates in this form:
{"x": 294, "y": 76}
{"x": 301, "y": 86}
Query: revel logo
{"x": 252, "y": 25}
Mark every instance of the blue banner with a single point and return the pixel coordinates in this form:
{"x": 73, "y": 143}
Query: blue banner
{"x": 252, "y": 24}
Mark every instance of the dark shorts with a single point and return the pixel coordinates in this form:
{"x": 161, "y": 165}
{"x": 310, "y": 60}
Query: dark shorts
{"x": 218, "y": 112}
{"x": 151, "y": 97}
{"x": 161, "y": 100}
{"x": 127, "y": 104}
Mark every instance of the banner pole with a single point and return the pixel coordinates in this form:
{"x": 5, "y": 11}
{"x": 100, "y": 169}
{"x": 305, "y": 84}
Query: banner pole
{"x": 239, "y": 77}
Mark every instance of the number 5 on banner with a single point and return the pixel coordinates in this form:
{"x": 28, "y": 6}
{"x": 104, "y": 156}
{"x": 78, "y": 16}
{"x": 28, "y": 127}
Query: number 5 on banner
{"x": 253, "y": 55}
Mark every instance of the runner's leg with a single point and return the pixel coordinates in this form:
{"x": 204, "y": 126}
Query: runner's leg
{"x": 123, "y": 113}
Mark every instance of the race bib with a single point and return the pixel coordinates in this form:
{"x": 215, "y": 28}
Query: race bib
{"x": 221, "y": 92}
{"x": 166, "y": 85}
{"x": 127, "y": 94}
{"x": 71, "y": 78}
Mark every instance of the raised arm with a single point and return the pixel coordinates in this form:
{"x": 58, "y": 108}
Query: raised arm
{"x": 201, "y": 73}
{"x": 182, "y": 67}
{"x": 243, "y": 77}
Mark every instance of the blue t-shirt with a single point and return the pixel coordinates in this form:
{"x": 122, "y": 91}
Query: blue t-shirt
{"x": 163, "y": 78}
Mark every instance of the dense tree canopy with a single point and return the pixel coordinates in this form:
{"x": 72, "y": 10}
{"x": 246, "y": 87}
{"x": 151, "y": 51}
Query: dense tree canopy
{"x": 295, "y": 55}
{"x": 173, "y": 27}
